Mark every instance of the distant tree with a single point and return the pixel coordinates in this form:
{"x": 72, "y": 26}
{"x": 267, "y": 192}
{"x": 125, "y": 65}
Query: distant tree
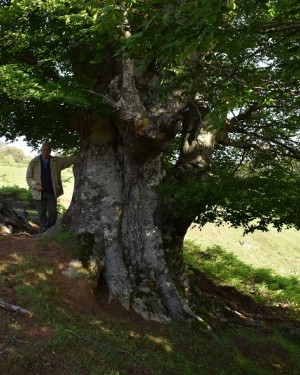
{"x": 184, "y": 111}
{"x": 7, "y": 160}
{"x": 18, "y": 155}
{"x": 2, "y": 144}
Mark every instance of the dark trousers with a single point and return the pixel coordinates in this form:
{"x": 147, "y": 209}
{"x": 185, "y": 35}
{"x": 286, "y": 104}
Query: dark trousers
{"x": 47, "y": 203}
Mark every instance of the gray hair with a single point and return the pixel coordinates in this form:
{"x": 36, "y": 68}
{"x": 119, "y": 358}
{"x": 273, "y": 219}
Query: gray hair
{"x": 46, "y": 144}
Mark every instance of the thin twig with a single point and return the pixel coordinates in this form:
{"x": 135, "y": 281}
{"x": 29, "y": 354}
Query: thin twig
{"x": 99, "y": 343}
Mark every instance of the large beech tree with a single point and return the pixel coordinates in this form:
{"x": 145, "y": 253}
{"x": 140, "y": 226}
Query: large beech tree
{"x": 183, "y": 111}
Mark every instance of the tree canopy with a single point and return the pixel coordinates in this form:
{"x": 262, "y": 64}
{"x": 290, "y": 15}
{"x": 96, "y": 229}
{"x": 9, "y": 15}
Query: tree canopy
{"x": 236, "y": 63}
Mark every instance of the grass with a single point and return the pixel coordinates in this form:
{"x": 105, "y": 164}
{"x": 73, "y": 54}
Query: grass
{"x": 78, "y": 343}
{"x": 62, "y": 238}
{"x": 10, "y": 176}
{"x": 264, "y": 265}
{"x": 262, "y": 284}
{"x": 279, "y": 251}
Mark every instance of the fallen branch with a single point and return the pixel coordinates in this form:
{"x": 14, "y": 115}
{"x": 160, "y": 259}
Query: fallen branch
{"x": 14, "y": 308}
{"x": 18, "y": 221}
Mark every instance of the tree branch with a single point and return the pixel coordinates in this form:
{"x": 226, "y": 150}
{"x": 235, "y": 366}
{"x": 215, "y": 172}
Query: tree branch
{"x": 293, "y": 153}
{"x": 250, "y": 145}
{"x": 14, "y": 308}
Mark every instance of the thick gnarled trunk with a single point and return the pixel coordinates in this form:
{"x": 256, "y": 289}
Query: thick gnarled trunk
{"x": 115, "y": 209}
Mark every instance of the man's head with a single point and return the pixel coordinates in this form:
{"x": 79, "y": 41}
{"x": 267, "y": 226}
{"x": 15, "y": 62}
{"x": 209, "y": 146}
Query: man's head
{"x": 46, "y": 150}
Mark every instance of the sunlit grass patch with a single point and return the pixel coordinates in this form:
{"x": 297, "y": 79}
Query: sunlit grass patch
{"x": 161, "y": 342}
{"x": 11, "y": 176}
{"x": 262, "y": 284}
{"x": 26, "y": 268}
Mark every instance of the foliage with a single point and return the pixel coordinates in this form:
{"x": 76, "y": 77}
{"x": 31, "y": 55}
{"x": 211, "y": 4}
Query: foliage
{"x": 231, "y": 37}
{"x": 262, "y": 192}
{"x": 7, "y": 160}
{"x": 229, "y": 53}
{"x": 10, "y": 155}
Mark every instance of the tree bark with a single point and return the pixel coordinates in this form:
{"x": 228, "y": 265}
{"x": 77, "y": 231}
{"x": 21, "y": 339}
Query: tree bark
{"x": 116, "y": 211}
{"x": 117, "y": 214}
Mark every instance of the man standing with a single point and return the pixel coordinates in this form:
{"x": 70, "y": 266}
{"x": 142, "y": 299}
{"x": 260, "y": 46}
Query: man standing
{"x": 44, "y": 177}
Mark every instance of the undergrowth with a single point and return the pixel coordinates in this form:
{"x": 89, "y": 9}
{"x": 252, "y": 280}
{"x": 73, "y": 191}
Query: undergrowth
{"x": 19, "y": 193}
